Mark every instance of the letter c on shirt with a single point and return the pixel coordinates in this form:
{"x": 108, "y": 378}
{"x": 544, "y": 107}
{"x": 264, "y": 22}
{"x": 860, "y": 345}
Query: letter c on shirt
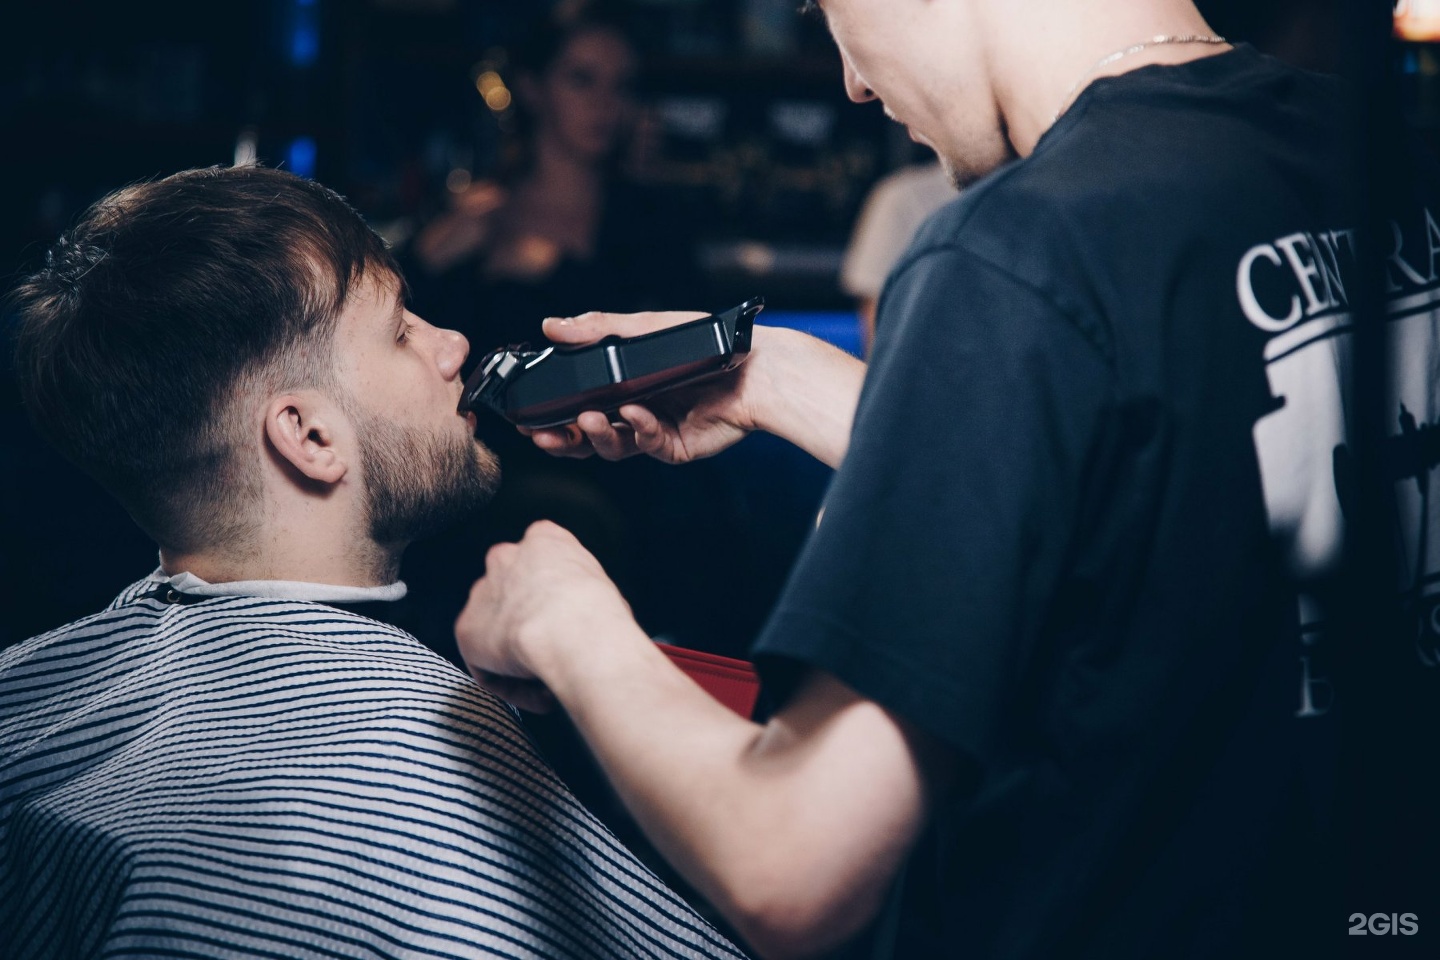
{"x": 1245, "y": 287}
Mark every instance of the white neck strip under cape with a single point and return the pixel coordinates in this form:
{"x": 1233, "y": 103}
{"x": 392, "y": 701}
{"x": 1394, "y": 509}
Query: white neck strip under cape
{"x": 280, "y": 589}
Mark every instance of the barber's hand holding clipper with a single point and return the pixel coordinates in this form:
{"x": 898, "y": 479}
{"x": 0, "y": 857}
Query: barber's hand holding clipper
{"x": 547, "y": 589}
{"x": 792, "y": 385}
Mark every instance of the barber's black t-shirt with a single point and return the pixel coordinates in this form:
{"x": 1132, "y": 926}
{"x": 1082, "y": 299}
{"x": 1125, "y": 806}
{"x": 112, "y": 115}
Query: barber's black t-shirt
{"x": 1051, "y": 546}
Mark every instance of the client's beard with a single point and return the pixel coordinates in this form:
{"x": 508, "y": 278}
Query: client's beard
{"x": 417, "y": 483}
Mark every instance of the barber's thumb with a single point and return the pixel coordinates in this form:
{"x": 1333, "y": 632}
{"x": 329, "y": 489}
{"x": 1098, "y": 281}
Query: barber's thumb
{"x": 579, "y": 329}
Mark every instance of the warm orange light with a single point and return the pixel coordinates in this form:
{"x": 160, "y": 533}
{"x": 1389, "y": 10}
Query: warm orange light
{"x": 1417, "y": 20}
{"x": 493, "y": 90}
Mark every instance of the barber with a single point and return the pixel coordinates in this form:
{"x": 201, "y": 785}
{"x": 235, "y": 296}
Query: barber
{"x": 1044, "y": 618}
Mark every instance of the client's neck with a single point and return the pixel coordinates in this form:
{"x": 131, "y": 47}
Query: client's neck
{"x": 341, "y": 561}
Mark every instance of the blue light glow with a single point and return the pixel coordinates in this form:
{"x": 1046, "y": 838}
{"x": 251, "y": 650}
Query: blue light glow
{"x": 302, "y": 32}
{"x": 841, "y": 328}
{"x": 304, "y": 44}
{"x": 300, "y": 157}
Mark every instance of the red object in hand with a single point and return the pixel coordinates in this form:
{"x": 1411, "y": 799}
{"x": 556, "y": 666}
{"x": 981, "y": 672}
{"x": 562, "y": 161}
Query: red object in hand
{"x": 732, "y": 682}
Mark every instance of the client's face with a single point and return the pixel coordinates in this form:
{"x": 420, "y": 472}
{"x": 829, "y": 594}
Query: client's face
{"x": 421, "y": 465}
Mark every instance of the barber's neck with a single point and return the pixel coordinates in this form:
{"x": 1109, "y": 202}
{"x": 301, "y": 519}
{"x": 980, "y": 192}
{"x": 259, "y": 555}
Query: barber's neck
{"x": 1044, "y": 58}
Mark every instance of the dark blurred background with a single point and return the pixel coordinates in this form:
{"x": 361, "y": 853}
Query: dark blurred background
{"x": 746, "y": 158}
{"x": 746, "y": 139}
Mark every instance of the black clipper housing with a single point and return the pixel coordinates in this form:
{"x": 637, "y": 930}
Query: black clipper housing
{"x": 553, "y": 386}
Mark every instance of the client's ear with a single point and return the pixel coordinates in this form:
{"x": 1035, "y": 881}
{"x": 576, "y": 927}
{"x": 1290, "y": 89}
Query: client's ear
{"x": 300, "y": 428}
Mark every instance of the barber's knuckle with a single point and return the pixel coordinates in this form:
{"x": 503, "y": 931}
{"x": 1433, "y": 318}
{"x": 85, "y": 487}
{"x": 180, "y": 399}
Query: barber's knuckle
{"x": 539, "y": 529}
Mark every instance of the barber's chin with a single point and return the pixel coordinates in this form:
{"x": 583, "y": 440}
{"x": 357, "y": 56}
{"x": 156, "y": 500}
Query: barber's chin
{"x": 917, "y": 137}
{"x": 959, "y": 175}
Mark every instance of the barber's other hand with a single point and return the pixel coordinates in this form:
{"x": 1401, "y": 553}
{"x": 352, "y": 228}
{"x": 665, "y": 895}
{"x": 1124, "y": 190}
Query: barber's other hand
{"x": 537, "y": 597}
{"x": 678, "y": 426}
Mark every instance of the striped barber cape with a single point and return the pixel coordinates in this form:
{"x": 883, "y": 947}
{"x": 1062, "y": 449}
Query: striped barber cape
{"x": 254, "y": 777}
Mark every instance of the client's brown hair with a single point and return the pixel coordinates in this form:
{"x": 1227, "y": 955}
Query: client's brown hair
{"x": 165, "y": 309}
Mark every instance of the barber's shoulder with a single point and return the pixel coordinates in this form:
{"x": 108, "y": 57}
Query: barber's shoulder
{"x": 1004, "y": 219}
{"x": 1010, "y": 200}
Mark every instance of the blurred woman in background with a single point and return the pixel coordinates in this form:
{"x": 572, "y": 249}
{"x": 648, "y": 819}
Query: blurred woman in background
{"x": 561, "y": 229}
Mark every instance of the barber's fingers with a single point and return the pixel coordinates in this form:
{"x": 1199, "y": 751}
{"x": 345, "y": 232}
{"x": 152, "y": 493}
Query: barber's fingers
{"x": 549, "y": 530}
{"x": 650, "y": 435}
{"x": 589, "y": 327}
{"x": 593, "y": 433}
{"x": 498, "y": 557}
{"x": 611, "y": 442}
{"x": 566, "y": 441}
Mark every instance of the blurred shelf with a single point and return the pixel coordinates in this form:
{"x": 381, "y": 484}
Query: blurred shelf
{"x": 761, "y": 260}
{"x": 791, "y": 276}
{"x": 765, "y": 73}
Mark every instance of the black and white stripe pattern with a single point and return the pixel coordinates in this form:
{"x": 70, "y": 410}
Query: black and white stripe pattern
{"x": 247, "y": 777}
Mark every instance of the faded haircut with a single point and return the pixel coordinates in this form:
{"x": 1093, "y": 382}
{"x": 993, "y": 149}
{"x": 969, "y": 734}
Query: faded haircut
{"x": 166, "y": 314}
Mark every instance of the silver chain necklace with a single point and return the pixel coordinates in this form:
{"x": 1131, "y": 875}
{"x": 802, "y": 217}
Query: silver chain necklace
{"x": 1110, "y": 58}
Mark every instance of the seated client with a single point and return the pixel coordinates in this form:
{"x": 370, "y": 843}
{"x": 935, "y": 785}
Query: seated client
{"x": 231, "y": 759}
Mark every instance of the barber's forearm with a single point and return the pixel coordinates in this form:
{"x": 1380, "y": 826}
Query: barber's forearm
{"x": 792, "y": 830}
{"x": 670, "y": 750}
{"x": 685, "y": 768}
{"x": 806, "y": 392}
